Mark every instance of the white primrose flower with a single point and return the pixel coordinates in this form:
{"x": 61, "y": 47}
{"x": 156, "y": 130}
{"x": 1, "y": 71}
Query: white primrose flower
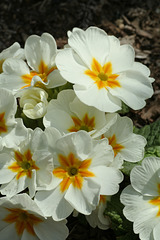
{"x": 68, "y": 114}
{"x": 34, "y": 102}
{"x": 22, "y": 219}
{"x": 14, "y": 51}
{"x": 126, "y": 144}
{"x": 81, "y": 173}
{"x": 29, "y": 165}
{"x": 97, "y": 217}
{"x": 103, "y": 72}
{"x": 142, "y": 199}
{"x": 40, "y": 55}
{"x": 12, "y": 130}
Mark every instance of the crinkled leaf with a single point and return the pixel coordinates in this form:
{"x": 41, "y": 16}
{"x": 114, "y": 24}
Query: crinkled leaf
{"x": 152, "y": 134}
{"x": 121, "y": 226}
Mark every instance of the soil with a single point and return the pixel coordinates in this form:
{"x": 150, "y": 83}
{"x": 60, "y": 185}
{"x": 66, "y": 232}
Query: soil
{"x": 134, "y": 22}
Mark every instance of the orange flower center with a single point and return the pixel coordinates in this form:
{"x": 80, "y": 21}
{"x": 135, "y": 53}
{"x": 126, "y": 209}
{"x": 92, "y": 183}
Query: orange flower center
{"x": 22, "y": 219}
{"x": 116, "y": 147}
{"x": 156, "y": 201}
{"x": 102, "y": 75}
{"x": 43, "y": 73}
{"x": 72, "y": 171}
{"x": 87, "y": 124}
{"x": 23, "y": 165}
{"x": 3, "y": 127}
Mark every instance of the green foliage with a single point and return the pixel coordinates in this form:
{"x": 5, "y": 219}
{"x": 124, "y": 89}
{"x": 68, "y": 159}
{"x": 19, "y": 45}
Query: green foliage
{"x": 121, "y": 226}
{"x": 125, "y": 109}
{"x": 152, "y": 134}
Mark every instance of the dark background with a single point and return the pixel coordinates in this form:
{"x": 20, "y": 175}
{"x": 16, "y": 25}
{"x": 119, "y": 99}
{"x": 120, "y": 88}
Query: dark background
{"x": 132, "y": 21}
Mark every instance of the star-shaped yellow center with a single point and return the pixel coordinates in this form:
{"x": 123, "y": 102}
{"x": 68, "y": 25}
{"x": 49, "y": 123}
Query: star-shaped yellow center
{"x": 23, "y": 165}
{"x": 43, "y": 73}
{"x": 72, "y": 171}
{"x": 87, "y": 124}
{"x": 102, "y": 75}
{"x": 116, "y": 146}
{"x": 22, "y": 219}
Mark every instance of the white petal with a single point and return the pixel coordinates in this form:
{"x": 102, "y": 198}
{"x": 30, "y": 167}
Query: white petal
{"x": 15, "y": 186}
{"x": 26, "y": 236}
{"x": 99, "y": 98}
{"x": 10, "y": 51}
{"x": 40, "y": 48}
{"x": 135, "y": 88}
{"x": 109, "y": 179}
{"x": 79, "y": 143}
{"x": 7, "y": 104}
{"x": 63, "y": 101}
{"x": 55, "y": 79}
{"x": 6, "y": 175}
{"x": 136, "y": 205}
{"x": 92, "y": 42}
{"x": 101, "y": 154}
{"x": 52, "y": 203}
{"x": 122, "y": 127}
{"x": 156, "y": 231}
{"x": 49, "y": 228}
{"x": 16, "y": 134}
{"x": 9, "y": 232}
{"x": 121, "y": 57}
{"x": 15, "y": 66}
{"x": 59, "y": 120}
{"x": 145, "y": 178}
{"x": 52, "y": 135}
{"x": 145, "y": 223}
{"x": 71, "y": 70}
{"x": 133, "y": 150}
{"x": 86, "y": 199}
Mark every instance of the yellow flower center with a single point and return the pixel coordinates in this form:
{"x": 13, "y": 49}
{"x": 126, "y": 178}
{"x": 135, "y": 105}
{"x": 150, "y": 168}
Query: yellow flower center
{"x": 72, "y": 171}
{"x": 23, "y": 165}
{"x": 102, "y": 75}
{"x": 116, "y": 146}
{"x": 156, "y": 201}
{"x": 87, "y": 124}
{"x": 22, "y": 219}
{"x": 3, "y": 127}
{"x": 43, "y": 73}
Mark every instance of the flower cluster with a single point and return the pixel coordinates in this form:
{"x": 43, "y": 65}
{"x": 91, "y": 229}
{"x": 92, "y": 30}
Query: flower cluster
{"x": 62, "y": 142}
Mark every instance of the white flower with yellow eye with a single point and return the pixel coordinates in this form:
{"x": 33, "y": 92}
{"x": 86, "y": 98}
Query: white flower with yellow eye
{"x": 81, "y": 173}
{"x": 103, "y": 72}
{"x": 14, "y": 51}
{"x": 142, "y": 199}
{"x": 12, "y": 130}
{"x": 22, "y": 219}
{"x": 126, "y": 144}
{"x": 29, "y": 165}
{"x": 34, "y": 102}
{"x": 40, "y": 55}
{"x": 68, "y": 114}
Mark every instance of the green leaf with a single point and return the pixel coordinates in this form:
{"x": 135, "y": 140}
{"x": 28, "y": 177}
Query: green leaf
{"x": 152, "y": 134}
{"x": 121, "y": 226}
{"x": 125, "y": 109}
